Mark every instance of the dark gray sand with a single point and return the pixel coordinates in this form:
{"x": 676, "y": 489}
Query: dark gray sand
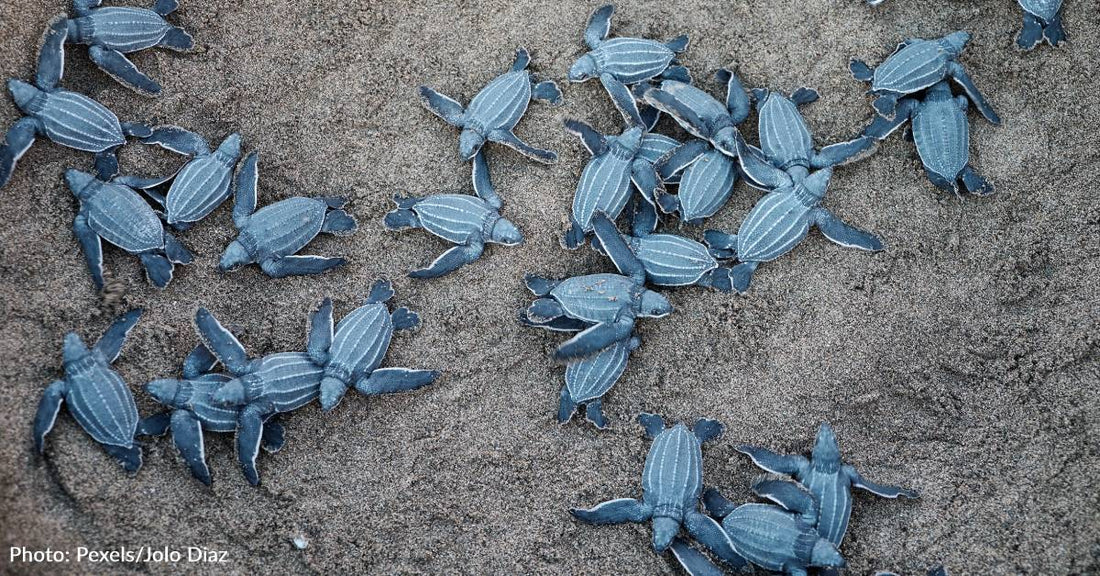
{"x": 962, "y": 361}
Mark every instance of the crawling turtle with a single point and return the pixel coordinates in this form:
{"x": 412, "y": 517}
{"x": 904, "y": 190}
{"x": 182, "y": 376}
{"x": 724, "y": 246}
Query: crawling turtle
{"x": 468, "y": 221}
{"x": 258, "y": 388}
{"x": 827, "y": 477}
{"x": 588, "y": 379}
{"x": 203, "y": 183}
{"x": 707, "y": 171}
{"x": 112, "y": 211}
{"x": 95, "y": 394}
{"x": 777, "y": 538}
{"x": 668, "y": 259}
{"x": 192, "y": 411}
{"x": 114, "y": 31}
{"x": 941, "y": 132}
{"x": 272, "y": 235}
{"x": 1042, "y": 21}
{"x": 69, "y": 119}
{"x": 351, "y": 357}
{"x": 496, "y": 110}
{"x": 610, "y": 303}
{"x": 781, "y": 220}
{"x": 672, "y": 482}
{"x": 918, "y": 64}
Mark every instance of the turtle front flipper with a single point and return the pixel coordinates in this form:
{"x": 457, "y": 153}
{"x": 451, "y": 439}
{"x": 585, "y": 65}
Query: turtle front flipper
{"x": 615, "y": 247}
{"x": 793, "y": 465}
{"x": 709, "y": 533}
{"x": 593, "y": 141}
{"x": 394, "y": 380}
{"x": 250, "y": 427}
{"x": 187, "y": 436}
{"x": 178, "y": 140}
{"x": 623, "y": 100}
{"x": 128, "y": 456}
{"x": 882, "y": 490}
{"x": 756, "y": 169}
{"x": 244, "y": 197}
{"x": 962, "y": 78}
{"x": 46, "y": 416}
{"x": 299, "y": 265}
{"x": 443, "y": 106}
{"x": 617, "y": 511}
{"x": 483, "y": 184}
{"x": 844, "y": 152}
{"x": 594, "y": 339}
{"x": 450, "y": 260}
{"x": 507, "y": 138}
{"x": 881, "y": 127}
{"x": 16, "y": 142}
{"x": 788, "y": 494}
{"x": 221, "y": 342}
{"x": 110, "y": 343}
{"x": 716, "y": 504}
{"x": 320, "y": 333}
{"x": 737, "y": 98}
{"x": 92, "y": 247}
{"x": 117, "y": 66}
{"x": 198, "y": 362}
{"x": 844, "y": 234}
{"x": 599, "y": 25}
{"x": 51, "y": 56}
{"x": 692, "y": 561}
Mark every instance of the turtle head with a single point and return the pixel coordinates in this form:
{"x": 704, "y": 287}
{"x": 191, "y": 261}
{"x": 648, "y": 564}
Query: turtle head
{"x": 664, "y": 530}
{"x": 469, "y": 142}
{"x": 506, "y": 233}
{"x": 654, "y": 305}
{"x": 231, "y": 393}
{"x": 78, "y": 181}
{"x": 825, "y": 554}
{"x": 956, "y": 41}
{"x": 234, "y": 257}
{"x": 826, "y": 450}
{"x": 166, "y": 391}
{"x": 583, "y": 69}
{"x": 73, "y": 348}
{"x": 23, "y": 93}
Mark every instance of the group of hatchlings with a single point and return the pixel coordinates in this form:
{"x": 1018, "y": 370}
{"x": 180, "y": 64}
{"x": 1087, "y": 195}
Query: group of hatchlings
{"x": 812, "y": 497}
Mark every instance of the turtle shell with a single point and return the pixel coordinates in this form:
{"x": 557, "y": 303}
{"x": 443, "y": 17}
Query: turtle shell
{"x": 100, "y": 401}
{"x": 591, "y": 377}
{"x": 673, "y": 476}
{"x": 501, "y": 103}
{"x": 777, "y": 223}
{"x": 122, "y": 28}
{"x": 941, "y": 132}
{"x": 454, "y": 217}
{"x": 712, "y": 112}
{"x": 596, "y": 297}
{"x": 604, "y": 185}
{"x": 282, "y": 228}
{"x": 120, "y": 216}
{"x": 289, "y": 380}
{"x": 784, "y": 136}
{"x": 360, "y": 343}
{"x": 632, "y": 60}
{"x": 914, "y": 67}
{"x": 834, "y": 495}
{"x": 671, "y": 260}
{"x": 199, "y": 187}
{"x": 769, "y": 536}
{"x": 76, "y": 121}
{"x": 706, "y": 185}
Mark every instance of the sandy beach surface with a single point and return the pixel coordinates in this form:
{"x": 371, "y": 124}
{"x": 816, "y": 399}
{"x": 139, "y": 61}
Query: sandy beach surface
{"x": 962, "y": 361}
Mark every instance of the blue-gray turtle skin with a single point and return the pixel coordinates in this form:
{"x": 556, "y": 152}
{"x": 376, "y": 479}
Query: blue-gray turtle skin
{"x": 628, "y": 60}
{"x": 706, "y": 184}
{"x": 941, "y": 132}
{"x": 700, "y": 113}
{"x": 827, "y": 477}
{"x": 351, "y": 357}
{"x": 672, "y": 482}
{"x": 114, "y": 212}
{"x": 204, "y": 182}
{"x": 470, "y": 222}
{"x": 588, "y": 379}
{"x": 272, "y": 235}
{"x": 95, "y": 394}
{"x": 67, "y": 118}
{"x": 918, "y": 64}
{"x": 495, "y": 110}
{"x": 114, "y": 31}
{"x": 1042, "y": 21}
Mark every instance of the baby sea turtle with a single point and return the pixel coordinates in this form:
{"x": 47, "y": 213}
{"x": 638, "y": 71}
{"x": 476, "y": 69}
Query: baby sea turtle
{"x": 261, "y": 387}
{"x": 468, "y": 221}
{"x": 672, "y": 482}
{"x": 707, "y": 172}
{"x": 351, "y": 357}
{"x": 827, "y": 477}
{"x": 204, "y": 181}
{"x": 193, "y": 411}
{"x": 112, "y": 211}
{"x": 1042, "y": 21}
{"x": 496, "y": 110}
{"x": 272, "y": 235}
{"x": 611, "y": 303}
{"x": 777, "y": 538}
{"x": 114, "y": 31}
{"x": 588, "y": 379}
{"x": 69, "y": 119}
{"x": 95, "y": 394}
{"x": 941, "y": 132}
{"x": 668, "y": 259}
{"x": 918, "y": 64}
{"x": 781, "y": 220}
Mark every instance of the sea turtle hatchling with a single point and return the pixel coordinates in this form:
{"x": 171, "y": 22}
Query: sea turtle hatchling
{"x": 468, "y": 221}
{"x": 112, "y": 32}
{"x": 700, "y": 114}
{"x": 272, "y": 235}
{"x": 112, "y": 211}
{"x": 588, "y": 379}
{"x": 352, "y": 355}
{"x": 1042, "y": 21}
{"x": 668, "y": 259}
{"x": 203, "y": 183}
{"x": 941, "y": 132}
{"x": 69, "y": 119}
{"x": 192, "y": 411}
{"x": 495, "y": 110}
{"x": 777, "y": 538}
{"x": 918, "y": 64}
{"x": 672, "y": 482}
{"x": 827, "y": 477}
{"x": 95, "y": 394}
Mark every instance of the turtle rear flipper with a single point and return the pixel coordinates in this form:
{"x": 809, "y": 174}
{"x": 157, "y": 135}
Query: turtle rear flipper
{"x": 128, "y": 456}
{"x": 593, "y": 412}
{"x": 974, "y": 183}
{"x": 176, "y": 252}
{"x": 566, "y": 406}
{"x": 741, "y": 275}
{"x": 1031, "y": 34}
{"x": 155, "y": 425}
{"x": 679, "y": 43}
{"x": 380, "y": 291}
{"x": 1053, "y": 32}
{"x": 677, "y": 73}
{"x": 547, "y": 91}
{"x": 158, "y": 268}
{"x": 404, "y": 319}
{"x": 177, "y": 39}
{"x": 860, "y": 70}
{"x": 165, "y": 7}
{"x": 339, "y": 223}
